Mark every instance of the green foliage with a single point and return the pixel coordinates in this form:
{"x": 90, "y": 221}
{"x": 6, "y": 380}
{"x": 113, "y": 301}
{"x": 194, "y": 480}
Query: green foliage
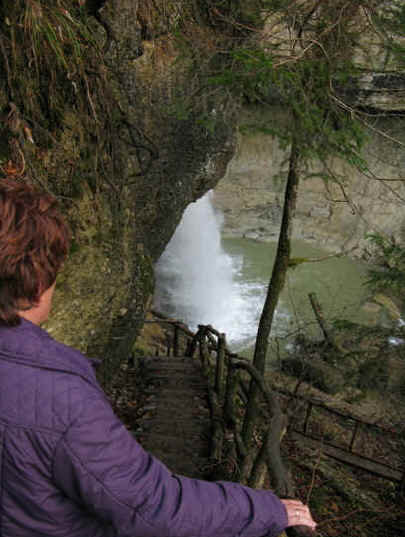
{"x": 204, "y": 35}
{"x": 209, "y": 122}
{"x": 56, "y": 95}
{"x": 234, "y": 17}
{"x": 43, "y": 45}
{"x": 391, "y": 258}
{"x": 179, "y": 110}
{"x": 305, "y": 62}
{"x": 304, "y": 74}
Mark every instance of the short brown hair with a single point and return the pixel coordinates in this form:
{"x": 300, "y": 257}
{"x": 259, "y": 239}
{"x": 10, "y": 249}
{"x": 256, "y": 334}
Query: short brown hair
{"x": 34, "y": 241}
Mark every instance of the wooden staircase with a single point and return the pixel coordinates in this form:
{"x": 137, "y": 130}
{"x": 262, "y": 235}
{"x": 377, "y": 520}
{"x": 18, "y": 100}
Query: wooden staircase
{"x": 175, "y": 424}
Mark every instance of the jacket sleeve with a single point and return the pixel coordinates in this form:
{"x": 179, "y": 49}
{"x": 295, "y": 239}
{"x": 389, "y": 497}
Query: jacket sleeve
{"x": 98, "y": 464}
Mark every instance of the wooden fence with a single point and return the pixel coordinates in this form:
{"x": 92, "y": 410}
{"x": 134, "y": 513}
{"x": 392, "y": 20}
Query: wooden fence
{"x": 225, "y": 383}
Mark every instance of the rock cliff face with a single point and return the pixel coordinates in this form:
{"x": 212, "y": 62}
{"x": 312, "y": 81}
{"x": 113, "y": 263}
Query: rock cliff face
{"x": 97, "y": 129}
{"x": 331, "y": 216}
{"x": 104, "y": 141}
{"x": 334, "y": 215}
{"x": 165, "y": 164}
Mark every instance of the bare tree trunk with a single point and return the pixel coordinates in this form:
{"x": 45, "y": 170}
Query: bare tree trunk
{"x": 269, "y": 460}
{"x": 327, "y": 333}
{"x": 275, "y": 287}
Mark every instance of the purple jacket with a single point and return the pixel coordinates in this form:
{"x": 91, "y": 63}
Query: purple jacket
{"x": 69, "y": 467}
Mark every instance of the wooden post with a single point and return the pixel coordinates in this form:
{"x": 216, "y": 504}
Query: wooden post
{"x": 356, "y": 428}
{"x": 401, "y": 487}
{"x": 230, "y": 394}
{"x": 259, "y": 468}
{"x": 308, "y": 415}
{"x": 265, "y": 460}
{"x": 204, "y": 359}
{"x": 220, "y": 369}
{"x": 176, "y": 341}
{"x": 201, "y": 352}
{"x": 277, "y": 425}
{"x": 192, "y": 343}
{"x": 247, "y": 464}
{"x": 191, "y": 346}
{"x": 321, "y": 320}
{"x": 217, "y": 435}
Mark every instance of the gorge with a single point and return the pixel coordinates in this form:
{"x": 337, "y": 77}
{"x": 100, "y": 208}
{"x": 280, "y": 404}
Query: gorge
{"x": 129, "y": 112}
{"x": 118, "y": 120}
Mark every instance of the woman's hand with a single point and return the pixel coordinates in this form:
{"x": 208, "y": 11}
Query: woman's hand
{"x": 298, "y": 514}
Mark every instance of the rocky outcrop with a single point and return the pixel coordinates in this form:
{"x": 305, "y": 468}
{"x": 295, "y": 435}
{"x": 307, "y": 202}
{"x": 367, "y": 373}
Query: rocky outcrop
{"x": 165, "y": 164}
{"x": 378, "y": 92}
{"x": 105, "y": 141}
{"x": 335, "y": 214}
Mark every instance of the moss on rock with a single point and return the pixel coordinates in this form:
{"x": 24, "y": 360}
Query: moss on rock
{"x": 97, "y": 131}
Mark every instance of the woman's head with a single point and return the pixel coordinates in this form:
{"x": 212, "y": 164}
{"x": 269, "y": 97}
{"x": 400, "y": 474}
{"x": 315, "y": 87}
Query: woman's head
{"x": 34, "y": 241}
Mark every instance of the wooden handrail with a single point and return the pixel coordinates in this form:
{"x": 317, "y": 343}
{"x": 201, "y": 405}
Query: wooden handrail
{"x": 222, "y": 392}
{"x": 321, "y": 404}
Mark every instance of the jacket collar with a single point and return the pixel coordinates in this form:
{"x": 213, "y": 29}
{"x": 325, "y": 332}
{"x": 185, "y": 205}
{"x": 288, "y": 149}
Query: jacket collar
{"x": 29, "y": 344}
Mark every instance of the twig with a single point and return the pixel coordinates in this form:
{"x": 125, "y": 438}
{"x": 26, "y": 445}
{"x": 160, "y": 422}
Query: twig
{"x": 329, "y": 256}
{"x": 6, "y": 62}
{"x": 314, "y": 474}
{"x": 382, "y": 511}
{"x": 90, "y": 99}
{"x": 366, "y": 123}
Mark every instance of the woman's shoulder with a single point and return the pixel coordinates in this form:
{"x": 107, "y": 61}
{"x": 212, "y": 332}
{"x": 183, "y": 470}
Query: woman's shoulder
{"x": 54, "y": 380}
{"x": 30, "y": 345}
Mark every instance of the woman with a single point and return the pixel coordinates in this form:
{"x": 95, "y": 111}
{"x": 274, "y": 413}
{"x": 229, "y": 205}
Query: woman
{"x": 68, "y": 466}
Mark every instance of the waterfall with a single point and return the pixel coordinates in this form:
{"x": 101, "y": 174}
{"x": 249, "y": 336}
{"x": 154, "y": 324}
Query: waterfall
{"x": 196, "y": 280}
{"x": 199, "y": 282}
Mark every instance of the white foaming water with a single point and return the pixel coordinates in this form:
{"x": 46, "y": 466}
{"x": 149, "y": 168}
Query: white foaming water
{"x": 196, "y": 281}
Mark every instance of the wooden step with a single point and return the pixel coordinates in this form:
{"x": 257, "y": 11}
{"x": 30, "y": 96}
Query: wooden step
{"x": 174, "y": 423}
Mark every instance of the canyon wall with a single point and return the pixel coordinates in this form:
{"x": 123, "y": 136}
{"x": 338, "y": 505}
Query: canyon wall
{"x": 100, "y": 107}
{"x": 334, "y": 216}
{"x": 92, "y": 119}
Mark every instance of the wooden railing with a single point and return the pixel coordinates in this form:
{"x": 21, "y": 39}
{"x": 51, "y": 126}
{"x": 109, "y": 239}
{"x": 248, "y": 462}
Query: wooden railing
{"x": 348, "y": 432}
{"x": 223, "y": 369}
{"x": 227, "y": 386}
